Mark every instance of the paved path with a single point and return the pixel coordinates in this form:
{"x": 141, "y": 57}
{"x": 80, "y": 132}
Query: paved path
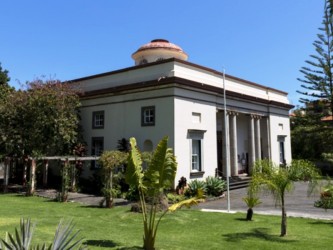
{"x": 298, "y": 203}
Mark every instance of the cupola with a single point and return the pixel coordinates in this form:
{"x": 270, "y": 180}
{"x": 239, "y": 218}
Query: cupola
{"x": 156, "y": 50}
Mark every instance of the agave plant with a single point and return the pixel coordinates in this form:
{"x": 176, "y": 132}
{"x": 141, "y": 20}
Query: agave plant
{"x": 65, "y": 238}
{"x": 194, "y": 187}
{"x": 214, "y": 186}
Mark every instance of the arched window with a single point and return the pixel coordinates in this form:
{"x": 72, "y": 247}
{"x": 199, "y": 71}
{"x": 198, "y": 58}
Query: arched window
{"x": 148, "y": 146}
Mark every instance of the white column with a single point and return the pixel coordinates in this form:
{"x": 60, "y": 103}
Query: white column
{"x": 268, "y": 139}
{"x": 233, "y": 146}
{"x": 252, "y": 142}
{"x": 258, "y": 143}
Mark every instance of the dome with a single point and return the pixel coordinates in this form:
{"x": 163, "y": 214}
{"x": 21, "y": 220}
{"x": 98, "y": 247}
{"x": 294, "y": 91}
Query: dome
{"x": 156, "y": 50}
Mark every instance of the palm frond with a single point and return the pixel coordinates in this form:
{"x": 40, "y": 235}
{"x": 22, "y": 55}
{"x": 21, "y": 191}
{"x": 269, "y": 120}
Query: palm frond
{"x": 185, "y": 203}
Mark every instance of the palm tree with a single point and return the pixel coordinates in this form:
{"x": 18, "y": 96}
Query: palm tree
{"x": 280, "y": 180}
{"x": 251, "y": 201}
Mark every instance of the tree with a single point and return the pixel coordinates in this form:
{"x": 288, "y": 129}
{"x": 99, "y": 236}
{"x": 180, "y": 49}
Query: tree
{"x": 4, "y": 78}
{"x": 110, "y": 161}
{"x": 41, "y": 120}
{"x": 160, "y": 175}
{"x": 5, "y": 89}
{"x": 280, "y": 180}
{"x": 318, "y": 78}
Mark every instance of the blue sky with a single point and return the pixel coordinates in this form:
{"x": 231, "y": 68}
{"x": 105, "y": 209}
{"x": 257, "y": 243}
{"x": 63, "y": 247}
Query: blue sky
{"x": 262, "y": 41}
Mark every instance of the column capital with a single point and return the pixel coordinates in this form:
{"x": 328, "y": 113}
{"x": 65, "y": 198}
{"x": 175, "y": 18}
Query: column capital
{"x": 232, "y": 113}
{"x": 255, "y": 116}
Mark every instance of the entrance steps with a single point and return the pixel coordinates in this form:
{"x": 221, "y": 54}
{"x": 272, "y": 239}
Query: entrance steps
{"x": 237, "y": 182}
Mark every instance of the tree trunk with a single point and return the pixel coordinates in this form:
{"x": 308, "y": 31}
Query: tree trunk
{"x": 249, "y": 214}
{"x": 73, "y": 177}
{"x": 284, "y": 219}
{"x": 6, "y": 174}
{"x": 32, "y": 184}
{"x": 45, "y": 172}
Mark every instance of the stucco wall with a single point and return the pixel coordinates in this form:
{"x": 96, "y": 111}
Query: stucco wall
{"x": 185, "y": 121}
{"x": 123, "y": 119}
{"x": 280, "y": 126}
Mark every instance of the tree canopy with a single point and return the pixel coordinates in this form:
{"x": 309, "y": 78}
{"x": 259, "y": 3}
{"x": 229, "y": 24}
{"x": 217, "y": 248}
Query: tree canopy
{"x": 317, "y": 83}
{"x": 280, "y": 180}
{"x": 4, "y": 83}
{"x": 311, "y": 125}
{"x": 42, "y": 119}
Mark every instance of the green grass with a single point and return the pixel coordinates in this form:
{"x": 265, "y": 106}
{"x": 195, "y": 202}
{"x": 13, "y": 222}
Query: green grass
{"x": 118, "y": 228}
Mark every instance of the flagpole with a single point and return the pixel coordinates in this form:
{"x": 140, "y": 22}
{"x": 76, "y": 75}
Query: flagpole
{"x": 226, "y": 137}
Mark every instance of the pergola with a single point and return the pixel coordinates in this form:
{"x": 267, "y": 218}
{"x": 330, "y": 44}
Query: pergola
{"x": 33, "y": 163}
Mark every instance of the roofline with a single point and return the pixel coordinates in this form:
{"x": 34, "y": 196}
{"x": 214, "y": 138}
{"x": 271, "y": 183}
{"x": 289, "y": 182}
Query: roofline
{"x": 181, "y": 82}
{"x": 179, "y": 61}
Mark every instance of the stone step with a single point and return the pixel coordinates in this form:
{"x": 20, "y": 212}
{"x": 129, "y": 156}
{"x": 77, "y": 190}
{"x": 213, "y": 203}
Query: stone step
{"x": 239, "y": 182}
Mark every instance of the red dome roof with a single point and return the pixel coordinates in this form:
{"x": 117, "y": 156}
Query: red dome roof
{"x": 160, "y": 44}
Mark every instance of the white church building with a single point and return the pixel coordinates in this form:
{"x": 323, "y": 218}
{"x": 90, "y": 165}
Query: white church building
{"x": 164, "y": 94}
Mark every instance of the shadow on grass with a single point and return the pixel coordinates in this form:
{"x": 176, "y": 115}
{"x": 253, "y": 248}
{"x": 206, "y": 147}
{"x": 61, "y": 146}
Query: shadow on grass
{"x": 322, "y": 222}
{"x": 109, "y": 244}
{"x": 241, "y": 219}
{"x": 101, "y": 243}
{"x": 256, "y": 233}
{"x": 130, "y": 248}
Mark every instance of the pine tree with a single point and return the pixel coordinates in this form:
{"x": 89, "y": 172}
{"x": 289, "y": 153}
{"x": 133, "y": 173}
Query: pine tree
{"x": 318, "y": 77}
{"x": 311, "y": 136}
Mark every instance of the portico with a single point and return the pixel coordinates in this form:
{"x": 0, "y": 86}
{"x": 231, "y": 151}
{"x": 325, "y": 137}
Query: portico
{"x": 248, "y": 141}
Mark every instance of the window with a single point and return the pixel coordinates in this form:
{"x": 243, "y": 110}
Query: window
{"x": 148, "y": 116}
{"x": 196, "y": 117}
{"x": 97, "y": 147}
{"x": 196, "y": 147}
{"x": 196, "y": 155}
{"x": 281, "y": 150}
{"x": 98, "y": 119}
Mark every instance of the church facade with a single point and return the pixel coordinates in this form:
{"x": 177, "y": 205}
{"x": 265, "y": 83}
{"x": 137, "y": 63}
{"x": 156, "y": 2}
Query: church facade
{"x": 165, "y": 95}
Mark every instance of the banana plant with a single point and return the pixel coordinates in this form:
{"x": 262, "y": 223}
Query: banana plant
{"x": 151, "y": 183}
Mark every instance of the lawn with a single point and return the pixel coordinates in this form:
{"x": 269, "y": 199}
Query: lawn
{"x": 118, "y": 228}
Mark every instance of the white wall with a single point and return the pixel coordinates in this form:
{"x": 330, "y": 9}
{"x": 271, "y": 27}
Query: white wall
{"x": 280, "y": 126}
{"x": 123, "y": 119}
{"x": 184, "y": 121}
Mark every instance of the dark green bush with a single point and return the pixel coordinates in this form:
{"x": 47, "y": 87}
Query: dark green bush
{"x": 214, "y": 186}
{"x": 326, "y": 197}
{"x": 193, "y": 188}
{"x": 175, "y": 198}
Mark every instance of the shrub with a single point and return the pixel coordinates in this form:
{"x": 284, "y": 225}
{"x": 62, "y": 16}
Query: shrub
{"x": 214, "y": 186}
{"x": 326, "y": 197}
{"x": 194, "y": 187}
{"x": 182, "y": 184}
{"x": 175, "y": 198}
